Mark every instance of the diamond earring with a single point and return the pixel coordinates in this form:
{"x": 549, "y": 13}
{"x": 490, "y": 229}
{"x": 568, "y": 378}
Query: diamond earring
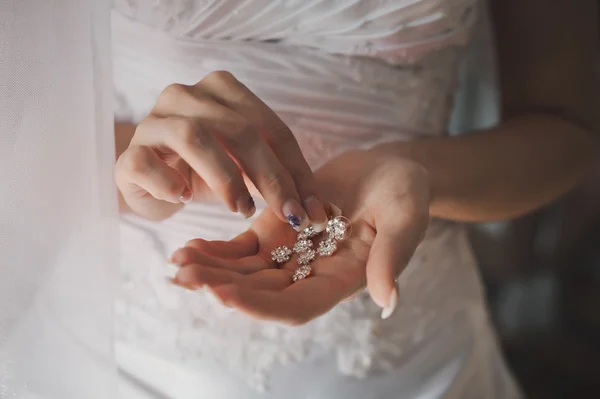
{"x": 339, "y": 228}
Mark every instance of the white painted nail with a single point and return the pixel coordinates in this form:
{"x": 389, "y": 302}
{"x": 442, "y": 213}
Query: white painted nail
{"x": 187, "y": 196}
{"x": 319, "y": 227}
{"x": 392, "y": 303}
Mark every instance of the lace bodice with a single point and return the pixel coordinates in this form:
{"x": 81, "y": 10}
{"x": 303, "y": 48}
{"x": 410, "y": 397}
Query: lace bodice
{"x": 342, "y": 74}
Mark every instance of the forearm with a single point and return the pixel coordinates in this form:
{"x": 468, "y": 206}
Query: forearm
{"x": 503, "y": 172}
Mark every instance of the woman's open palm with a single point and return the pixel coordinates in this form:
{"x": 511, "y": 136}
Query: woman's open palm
{"x": 388, "y": 208}
{"x": 241, "y": 273}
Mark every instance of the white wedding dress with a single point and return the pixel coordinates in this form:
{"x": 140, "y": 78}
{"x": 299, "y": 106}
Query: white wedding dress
{"x": 342, "y": 74}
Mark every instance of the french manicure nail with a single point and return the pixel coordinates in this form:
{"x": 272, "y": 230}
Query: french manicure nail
{"x": 316, "y": 213}
{"x": 320, "y": 227}
{"x": 187, "y": 196}
{"x": 295, "y": 215}
{"x": 245, "y": 206}
{"x": 392, "y": 303}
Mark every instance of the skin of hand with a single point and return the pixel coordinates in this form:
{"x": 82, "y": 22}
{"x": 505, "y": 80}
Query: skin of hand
{"x": 387, "y": 201}
{"x": 216, "y": 137}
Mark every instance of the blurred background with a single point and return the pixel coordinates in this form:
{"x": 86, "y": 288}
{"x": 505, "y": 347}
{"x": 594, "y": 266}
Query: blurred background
{"x": 542, "y": 274}
{"x": 541, "y": 271}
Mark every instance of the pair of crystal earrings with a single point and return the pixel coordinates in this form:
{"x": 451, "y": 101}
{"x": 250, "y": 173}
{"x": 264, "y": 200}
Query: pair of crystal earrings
{"x": 338, "y": 229}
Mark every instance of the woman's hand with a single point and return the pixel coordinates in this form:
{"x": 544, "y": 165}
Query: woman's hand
{"x": 387, "y": 200}
{"x": 207, "y": 138}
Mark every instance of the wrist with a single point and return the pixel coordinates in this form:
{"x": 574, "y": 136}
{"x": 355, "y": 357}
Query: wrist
{"x": 405, "y": 155}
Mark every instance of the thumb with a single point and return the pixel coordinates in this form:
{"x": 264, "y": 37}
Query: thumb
{"x": 395, "y": 243}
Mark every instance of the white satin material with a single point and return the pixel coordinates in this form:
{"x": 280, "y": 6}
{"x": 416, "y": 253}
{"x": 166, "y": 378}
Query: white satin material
{"x": 58, "y": 213}
{"x": 343, "y": 75}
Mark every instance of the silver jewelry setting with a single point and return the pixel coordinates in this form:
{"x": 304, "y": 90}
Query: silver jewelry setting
{"x": 338, "y": 229}
{"x": 281, "y": 254}
{"x": 302, "y": 245}
{"x": 327, "y": 247}
{"x": 301, "y": 273}
{"x": 307, "y": 256}
{"x": 307, "y": 233}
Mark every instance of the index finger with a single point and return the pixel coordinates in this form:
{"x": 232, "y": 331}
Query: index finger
{"x": 235, "y": 95}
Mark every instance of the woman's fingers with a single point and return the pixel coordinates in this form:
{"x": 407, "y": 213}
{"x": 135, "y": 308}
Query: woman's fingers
{"x": 245, "y": 244}
{"x": 218, "y": 127}
{"x": 241, "y": 139}
{"x": 195, "y": 276}
{"x": 235, "y": 95}
{"x": 189, "y": 256}
{"x": 189, "y": 139}
{"x": 394, "y": 245}
{"x": 140, "y": 171}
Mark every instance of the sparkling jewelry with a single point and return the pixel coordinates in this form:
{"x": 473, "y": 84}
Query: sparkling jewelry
{"x": 308, "y": 232}
{"x": 327, "y": 247}
{"x": 307, "y": 256}
{"x": 302, "y": 245}
{"x": 339, "y": 228}
{"x": 301, "y": 273}
{"x": 281, "y": 254}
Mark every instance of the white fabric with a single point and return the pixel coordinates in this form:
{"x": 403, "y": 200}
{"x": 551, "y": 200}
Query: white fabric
{"x": 342, "y": 74}
{"x": 58, "y": 221}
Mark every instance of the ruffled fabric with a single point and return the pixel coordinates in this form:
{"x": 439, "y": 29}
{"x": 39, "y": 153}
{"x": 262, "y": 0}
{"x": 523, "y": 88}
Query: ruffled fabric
{"x": 396, "y": 31}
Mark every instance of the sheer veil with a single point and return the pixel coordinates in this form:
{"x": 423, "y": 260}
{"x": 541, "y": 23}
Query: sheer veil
{"x": 58, "y": 237}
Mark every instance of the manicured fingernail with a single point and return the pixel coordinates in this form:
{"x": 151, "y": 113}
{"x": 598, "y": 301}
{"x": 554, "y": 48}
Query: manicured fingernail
{"x": 245, "y": 206}
{"x": 392, "y": 303}
{"x": 295, "y": 215}
{"x": 187, "y": 196}
{"x": 316, "y": 213}
{"x": 176, "y": 258}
